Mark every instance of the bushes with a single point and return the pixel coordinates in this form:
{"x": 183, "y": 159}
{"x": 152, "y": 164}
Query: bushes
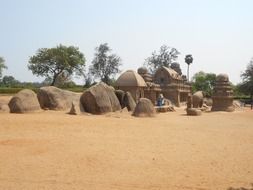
{"x": 5, "y": 90}
{"x": 75, "y": 89}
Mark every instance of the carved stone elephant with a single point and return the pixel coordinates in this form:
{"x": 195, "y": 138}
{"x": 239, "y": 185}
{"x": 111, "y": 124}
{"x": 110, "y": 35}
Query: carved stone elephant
{"x": 197, "y": 99}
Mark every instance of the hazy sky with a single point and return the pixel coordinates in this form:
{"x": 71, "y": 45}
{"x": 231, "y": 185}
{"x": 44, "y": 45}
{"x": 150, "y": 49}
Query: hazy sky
{"x": 218, "y": 33}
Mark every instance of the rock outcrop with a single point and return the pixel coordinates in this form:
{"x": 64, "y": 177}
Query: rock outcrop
{"x": 54, "y": 98}
{"x": 100, "y": 99}
{"x": 125, "y": 99}
{"x": 24, "y": 101}
{"x": 144, "y": 108}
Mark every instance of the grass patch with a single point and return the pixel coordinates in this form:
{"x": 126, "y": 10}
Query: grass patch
{"x": 7, "y": 90}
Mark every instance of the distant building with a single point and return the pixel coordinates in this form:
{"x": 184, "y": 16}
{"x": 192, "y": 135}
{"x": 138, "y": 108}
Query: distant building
{"x": 165, "y": 80}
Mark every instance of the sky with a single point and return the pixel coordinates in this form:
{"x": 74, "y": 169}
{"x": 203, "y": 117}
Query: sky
{"x": 218, "y": 33}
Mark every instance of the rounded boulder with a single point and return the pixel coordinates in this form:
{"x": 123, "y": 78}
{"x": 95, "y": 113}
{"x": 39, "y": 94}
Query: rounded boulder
{"x": 24, "y": 101}
{"x": 144, "y": 108}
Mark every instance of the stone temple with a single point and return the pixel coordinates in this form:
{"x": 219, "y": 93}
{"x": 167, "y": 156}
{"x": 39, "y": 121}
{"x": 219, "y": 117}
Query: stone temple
{"x": 223, "y": 94}
{"x": 144, "y": 85}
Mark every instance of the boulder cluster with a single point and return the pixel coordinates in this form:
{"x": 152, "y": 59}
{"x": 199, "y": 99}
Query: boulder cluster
{"x": 101, "y": 99}
{"x": 98, "y": 99}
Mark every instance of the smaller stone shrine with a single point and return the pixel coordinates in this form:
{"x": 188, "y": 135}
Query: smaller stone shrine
{"x": 223, "y": 94}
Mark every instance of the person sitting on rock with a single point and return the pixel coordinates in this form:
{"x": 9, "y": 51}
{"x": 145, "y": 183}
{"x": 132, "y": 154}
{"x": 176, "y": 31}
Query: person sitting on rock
{"x": 160, "y": 100}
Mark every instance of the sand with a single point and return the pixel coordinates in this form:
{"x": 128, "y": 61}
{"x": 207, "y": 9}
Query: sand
{"x": 53, "y": 150}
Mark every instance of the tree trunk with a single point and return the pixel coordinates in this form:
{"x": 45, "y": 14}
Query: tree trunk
{"x": 251, "y": 97}
{"x": 188, "y": 72}
{"x": 54, "y": 79}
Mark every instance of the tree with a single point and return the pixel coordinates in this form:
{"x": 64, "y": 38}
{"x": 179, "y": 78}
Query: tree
{"x": 53, "y": 62}
{"x": 10, "y": 81}
{"x": 167, "y": 55}
{"x": 247, "y": 85}
{"x": 176, "y": 66}
{"x": 204, "y": 82}
{"x": 104, "y": 65}
{"x": 188, "y": 60}
{"x": 2, "y": 66}
{"x": 60, "y": 81}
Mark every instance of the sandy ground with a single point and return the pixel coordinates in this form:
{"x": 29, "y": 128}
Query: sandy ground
{"x": 54, "y": 150}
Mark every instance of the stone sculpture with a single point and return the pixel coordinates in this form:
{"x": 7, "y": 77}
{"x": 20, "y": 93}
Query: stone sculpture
{"x": 191, "y": 110}
{"x": 197, "y": 99}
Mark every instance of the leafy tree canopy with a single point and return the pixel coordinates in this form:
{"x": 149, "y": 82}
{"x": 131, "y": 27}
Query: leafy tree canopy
{"x": 2, "y": 66}
{"x": 105, "y": 65}
{"x": 166, "y": 56}
{"x": 246, "y": 86}
{"x": 188, "y": 59}
{"x": 53, "y": 62}
{"x": 204, "y": 82}
{"x": 176, "y": 66}
{"x": 10, "y": 81}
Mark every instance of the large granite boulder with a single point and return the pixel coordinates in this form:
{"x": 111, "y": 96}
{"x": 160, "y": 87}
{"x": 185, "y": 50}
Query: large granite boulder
{"x": 144, "y": 108}
{"x": 120, "y": 95}
{"x": 100, "y": 99}
{"x": 125, "y": 99}
{"x": 54, "y": 98}
{"x": 24, "y": 101}
{"x": 76, "y": 109}
{"x": 129, "y": 101}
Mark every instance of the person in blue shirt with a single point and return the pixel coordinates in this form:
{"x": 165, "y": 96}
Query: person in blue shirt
{"x": 160, "y": 100}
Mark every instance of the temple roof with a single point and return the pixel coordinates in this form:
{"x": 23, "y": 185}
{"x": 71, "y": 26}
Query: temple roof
{"x": 130, "y": 78}
{"x": 171, "y": 72}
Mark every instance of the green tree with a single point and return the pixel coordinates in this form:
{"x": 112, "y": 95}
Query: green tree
{"x": 10, "y": 81}
{"x": 166, "y": 56}
{"x": 246, "y": 87}
{"x": 204, "y": 82}
{"x": 53, "y": 62}
{"x": 2, "y": 66}
{"x": 176, "y": 66}
{"x": 104, "y": 65}
{"x": 62, "y": 80}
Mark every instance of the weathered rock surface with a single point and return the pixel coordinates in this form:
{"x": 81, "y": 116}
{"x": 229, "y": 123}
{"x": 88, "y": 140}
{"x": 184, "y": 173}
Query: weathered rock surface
{"x": 193, "y": 111}
{"x": 144, "y": 108}
{"x": 54, "y": 98}
{"x": 120, "y": 95}
{"x": 223, "y": 94}
{"x": 100, "y": 99}
{"x": 76, "y": 108}
{"x": 129, "y": 101}
{"x": 24, "y": 101}
{"x": 197, "y": 99}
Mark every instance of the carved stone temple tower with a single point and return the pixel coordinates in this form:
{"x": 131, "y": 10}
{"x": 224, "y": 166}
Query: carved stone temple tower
{"x": 223, "y": 94}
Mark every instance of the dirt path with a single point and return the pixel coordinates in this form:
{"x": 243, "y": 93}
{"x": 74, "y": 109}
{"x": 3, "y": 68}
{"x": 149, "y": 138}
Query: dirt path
{"x": 53, "y": 150}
